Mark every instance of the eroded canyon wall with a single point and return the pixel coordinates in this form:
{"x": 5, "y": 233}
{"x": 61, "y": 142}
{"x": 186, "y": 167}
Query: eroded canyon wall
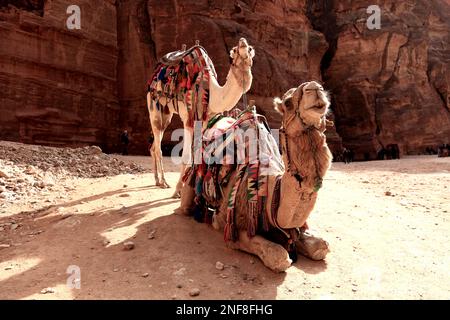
{"x": 75, "y": 87}
{"x": 288, "y": 50}
{"x": 58, "y": 86}
{"x": 389, "y": 85}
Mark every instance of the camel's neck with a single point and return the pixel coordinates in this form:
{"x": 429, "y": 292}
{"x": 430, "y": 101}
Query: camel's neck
{"x": 224, "y": 98}
{"x": 311, "y": 158}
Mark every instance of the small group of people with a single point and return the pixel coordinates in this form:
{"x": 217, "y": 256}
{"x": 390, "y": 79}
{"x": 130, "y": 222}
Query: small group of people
{"x": 345, "y": 155}
{"x": 125, "y": 141}
{"x": 444, "y": 150}
{"x": 391, "y": 151}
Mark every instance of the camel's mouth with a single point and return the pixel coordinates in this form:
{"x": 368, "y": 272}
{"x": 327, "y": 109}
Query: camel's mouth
{"x": 318, "y": 107}
{"x": 243, "y": 43}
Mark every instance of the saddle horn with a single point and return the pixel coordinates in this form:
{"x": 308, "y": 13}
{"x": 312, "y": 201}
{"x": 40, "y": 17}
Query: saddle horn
{"x": 197, "y": 42}
{"x": 183, "y": 47}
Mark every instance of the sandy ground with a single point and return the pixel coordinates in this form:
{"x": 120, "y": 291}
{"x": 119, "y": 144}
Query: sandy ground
{"x": 387, "y": 223}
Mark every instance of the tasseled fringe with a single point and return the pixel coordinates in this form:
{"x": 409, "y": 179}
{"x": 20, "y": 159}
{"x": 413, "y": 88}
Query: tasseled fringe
{"x": 191, "y": 179}
{"x": 198, "y": 186}
{"x": 230, "y": 233}
{"x": 252, "y": 219}
{"x": 263, "y": 215}
{"x": 190, "y": 122}
{"x": 188, "y": 175}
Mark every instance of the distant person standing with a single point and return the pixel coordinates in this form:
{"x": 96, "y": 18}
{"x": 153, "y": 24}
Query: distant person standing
{"x": 443, "y": 150}
{"x": 125, "y": 141}
{"x": 381, "y": 154}
{"x": 346, "y": 155}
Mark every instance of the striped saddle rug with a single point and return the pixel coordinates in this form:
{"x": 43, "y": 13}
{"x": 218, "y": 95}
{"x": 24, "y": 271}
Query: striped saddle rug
{"x": 244, "y": 146}
{"x": 184, "y": 76}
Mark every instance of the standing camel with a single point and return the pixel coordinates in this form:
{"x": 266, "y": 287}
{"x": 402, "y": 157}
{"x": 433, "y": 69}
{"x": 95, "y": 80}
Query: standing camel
{"x": 285, "y": 198}
{"x": 185, "y": 82}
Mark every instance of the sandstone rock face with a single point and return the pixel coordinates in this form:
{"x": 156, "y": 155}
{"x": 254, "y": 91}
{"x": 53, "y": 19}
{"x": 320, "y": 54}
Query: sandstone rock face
{"x": 136, "y": 61}
{"x": 390, "y": 86}
{"x": 288, "y": 50}
{"x": 58, "y": 86}
{"x": 82, "y": 87}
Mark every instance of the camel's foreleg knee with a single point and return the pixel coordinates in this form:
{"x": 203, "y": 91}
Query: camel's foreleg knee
{"x": 273, "y": 255}
{"x": 312, "y": 247}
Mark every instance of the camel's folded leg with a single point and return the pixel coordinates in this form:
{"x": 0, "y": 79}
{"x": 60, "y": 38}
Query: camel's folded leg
{"x": 187, "y": 203}
{"x": 273, "y": 255}
{"x": 311, "y": 247}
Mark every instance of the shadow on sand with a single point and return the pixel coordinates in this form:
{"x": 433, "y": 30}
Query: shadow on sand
{"x": 181, "y": 256}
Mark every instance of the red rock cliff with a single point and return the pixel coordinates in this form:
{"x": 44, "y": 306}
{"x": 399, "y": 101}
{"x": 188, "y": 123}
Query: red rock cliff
{"x": 391, "y": 85}
{"x": 288, "y": 50}
{"x": 84, "y": 86}
{"x": 57, "y": 86}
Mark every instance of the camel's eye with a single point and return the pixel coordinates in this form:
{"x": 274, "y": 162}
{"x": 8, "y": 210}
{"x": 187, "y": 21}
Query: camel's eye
{"x": 288, "y": 104}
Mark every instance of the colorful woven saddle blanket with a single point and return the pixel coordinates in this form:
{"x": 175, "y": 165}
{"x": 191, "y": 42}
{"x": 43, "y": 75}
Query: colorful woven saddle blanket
{"x": 184, "y": 76}
{"x": 244, "y": 146}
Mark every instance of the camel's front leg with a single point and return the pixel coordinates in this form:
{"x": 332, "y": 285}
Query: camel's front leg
{"x": 273, "y": 255}
{"x": 155, "y": 165}
{"x": 160, "y": 120}
{"x": 157, "y": 153}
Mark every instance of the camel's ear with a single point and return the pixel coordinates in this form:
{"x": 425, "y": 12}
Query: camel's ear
{"x": 233, "y": 52}
{"x": 251, "y": 51}
{"x": 285, "y": 104}
{"x": 278, "y": 105}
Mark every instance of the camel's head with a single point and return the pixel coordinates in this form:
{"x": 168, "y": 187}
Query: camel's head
{"x": 242, "y": 55}
{"x": 309, "y": 101}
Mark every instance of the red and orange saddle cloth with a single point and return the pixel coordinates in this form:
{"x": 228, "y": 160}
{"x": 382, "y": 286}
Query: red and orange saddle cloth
{"x": 184, "y": 76}
{"x": 246, "y": 146}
